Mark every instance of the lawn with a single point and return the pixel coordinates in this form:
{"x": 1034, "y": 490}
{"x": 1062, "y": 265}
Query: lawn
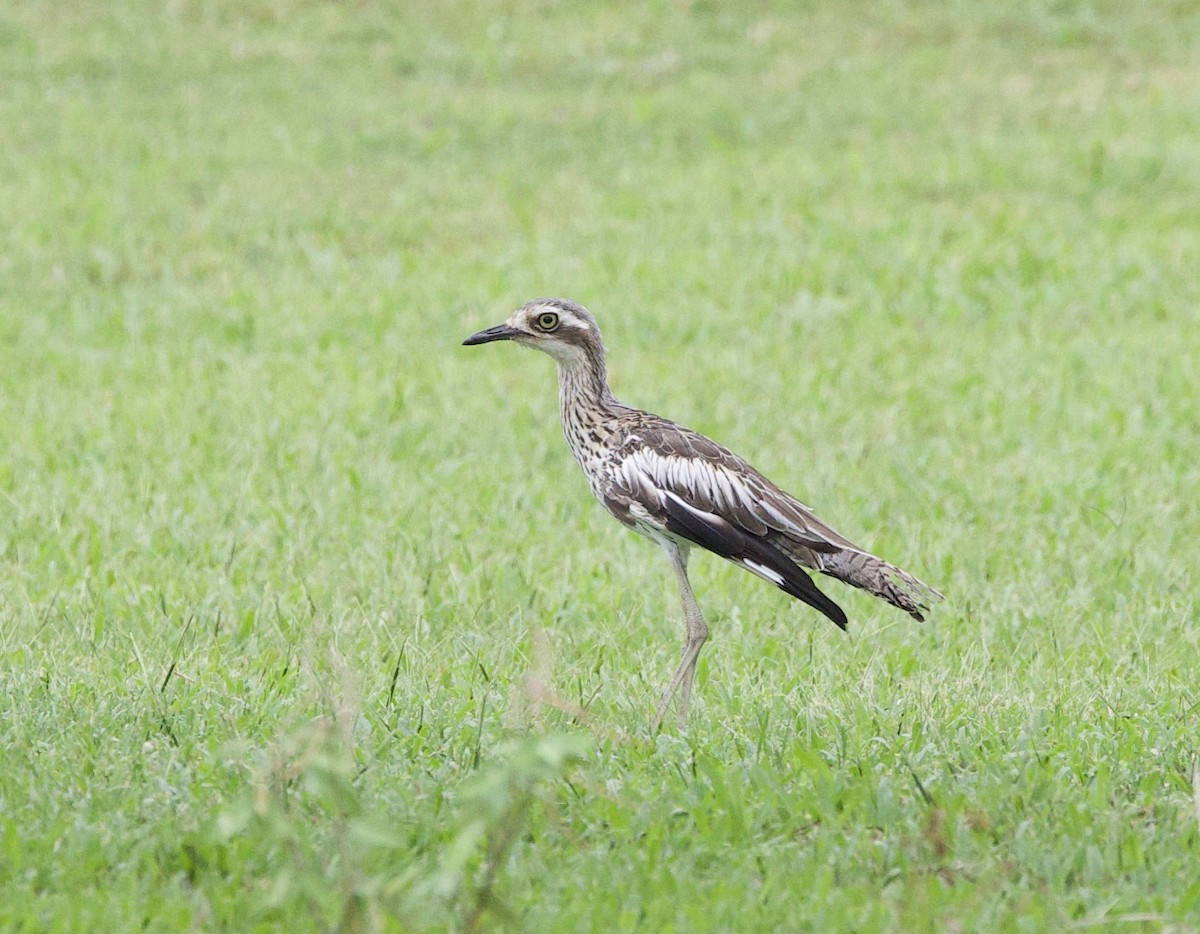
{"x": 307, "y": 618}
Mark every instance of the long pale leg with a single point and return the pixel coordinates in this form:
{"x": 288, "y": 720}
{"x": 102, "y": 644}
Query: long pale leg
{"x": 696, "y": 635}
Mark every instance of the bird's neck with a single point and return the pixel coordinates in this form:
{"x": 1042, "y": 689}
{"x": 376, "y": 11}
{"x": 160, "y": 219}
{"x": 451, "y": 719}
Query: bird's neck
{"x": 583, "y": 395}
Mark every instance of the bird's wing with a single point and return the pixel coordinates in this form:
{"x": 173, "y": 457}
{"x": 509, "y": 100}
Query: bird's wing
{"x": 700, "y": 500}
{"x": 756, "y": 555}
{"x": 709, "y": 477}
{"x": 693, "y": 487}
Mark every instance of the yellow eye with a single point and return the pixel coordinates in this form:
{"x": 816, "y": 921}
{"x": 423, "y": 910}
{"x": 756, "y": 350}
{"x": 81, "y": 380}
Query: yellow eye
{"x": 547, "y": 321}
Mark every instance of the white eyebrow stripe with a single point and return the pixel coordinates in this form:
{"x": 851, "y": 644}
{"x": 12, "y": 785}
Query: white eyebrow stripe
{"x": 569, "y": 317}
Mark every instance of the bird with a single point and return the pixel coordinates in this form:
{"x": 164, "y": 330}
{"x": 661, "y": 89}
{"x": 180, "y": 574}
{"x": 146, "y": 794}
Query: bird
{"x": 681, "y": 489}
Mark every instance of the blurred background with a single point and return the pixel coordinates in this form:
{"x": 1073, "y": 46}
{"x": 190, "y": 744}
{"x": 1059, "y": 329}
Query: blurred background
{"x": 930, "y": 265}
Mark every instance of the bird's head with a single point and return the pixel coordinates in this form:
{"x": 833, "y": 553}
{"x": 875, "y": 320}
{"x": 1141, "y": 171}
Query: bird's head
{"x": 563, "y": 329}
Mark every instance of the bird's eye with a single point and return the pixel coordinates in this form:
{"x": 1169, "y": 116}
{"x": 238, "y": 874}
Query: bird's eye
{"x": 547, "y": 321}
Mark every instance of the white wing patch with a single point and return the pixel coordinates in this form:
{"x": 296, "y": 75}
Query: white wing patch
{"x": 696, "y": 477}
{"x": 700, "y": 479}
{"x": 716, "y": 488}
{"x": 763, "y": 571}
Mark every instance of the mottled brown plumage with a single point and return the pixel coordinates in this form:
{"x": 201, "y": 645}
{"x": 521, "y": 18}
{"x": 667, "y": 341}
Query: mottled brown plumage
{"x": 680, "y": 489}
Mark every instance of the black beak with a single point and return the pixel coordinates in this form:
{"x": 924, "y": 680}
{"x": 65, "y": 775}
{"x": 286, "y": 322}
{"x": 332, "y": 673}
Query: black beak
{"x": 501, "y": 332}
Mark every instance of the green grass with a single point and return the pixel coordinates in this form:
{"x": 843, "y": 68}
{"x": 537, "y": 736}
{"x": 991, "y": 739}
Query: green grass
{"x": 298, "y": 597}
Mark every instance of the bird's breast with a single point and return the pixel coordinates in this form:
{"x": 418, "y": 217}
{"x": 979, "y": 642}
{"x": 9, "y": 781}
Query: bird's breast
{"x": 590, "y": 443}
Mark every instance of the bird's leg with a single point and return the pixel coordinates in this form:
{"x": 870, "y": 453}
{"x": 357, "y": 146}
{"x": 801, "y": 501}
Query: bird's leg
{"x": 696, "y": 635}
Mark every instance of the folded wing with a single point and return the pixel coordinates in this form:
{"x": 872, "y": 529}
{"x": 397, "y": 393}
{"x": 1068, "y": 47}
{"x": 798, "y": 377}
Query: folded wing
{"x": 697, "y": 489}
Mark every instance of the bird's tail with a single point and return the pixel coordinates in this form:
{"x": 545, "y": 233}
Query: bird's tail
{"x": 886, "y": 581}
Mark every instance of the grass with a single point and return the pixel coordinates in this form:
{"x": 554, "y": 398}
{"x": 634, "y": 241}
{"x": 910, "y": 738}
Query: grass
{"x": 299, "y": 601}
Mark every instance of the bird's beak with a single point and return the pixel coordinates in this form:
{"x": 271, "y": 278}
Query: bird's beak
{"x": 501, "y": 332}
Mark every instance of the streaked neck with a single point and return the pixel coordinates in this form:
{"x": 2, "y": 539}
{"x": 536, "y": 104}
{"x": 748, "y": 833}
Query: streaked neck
{"x": 583, "y": 386}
